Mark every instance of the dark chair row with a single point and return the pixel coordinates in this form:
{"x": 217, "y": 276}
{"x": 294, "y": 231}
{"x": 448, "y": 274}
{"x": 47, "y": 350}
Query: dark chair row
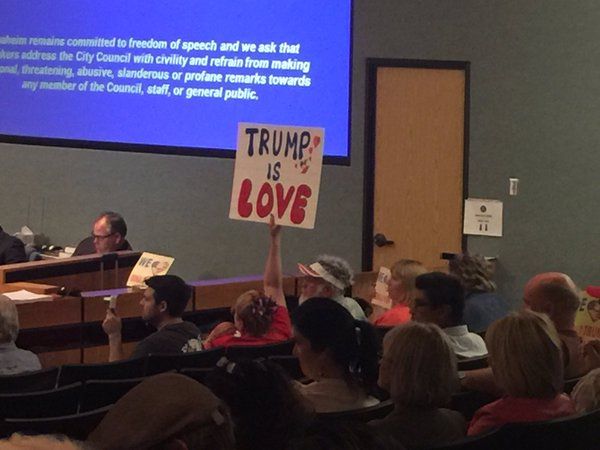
{"x": 135, "y": 368}
{"x": 579, "y": 432}
{"x": 76, "y": 426}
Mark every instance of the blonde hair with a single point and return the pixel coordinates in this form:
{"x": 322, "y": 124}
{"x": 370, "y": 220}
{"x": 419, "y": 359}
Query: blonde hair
{"x": 9, "y": 320}
{"x": 422, "y": 365}
{"x": 406, "y": 271}
{"x": 525, "y": 355}
{"x": 474, "y": 272}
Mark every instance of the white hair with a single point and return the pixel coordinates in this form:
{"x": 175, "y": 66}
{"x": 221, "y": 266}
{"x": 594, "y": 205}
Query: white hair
{"x": 9, "y": 320}
{"x": 337, "y": 268}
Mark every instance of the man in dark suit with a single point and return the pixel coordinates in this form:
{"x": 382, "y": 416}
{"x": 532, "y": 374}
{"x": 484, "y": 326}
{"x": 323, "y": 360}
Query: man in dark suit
{"x": 12, "y": 249}
{"x": 108, "y": 235}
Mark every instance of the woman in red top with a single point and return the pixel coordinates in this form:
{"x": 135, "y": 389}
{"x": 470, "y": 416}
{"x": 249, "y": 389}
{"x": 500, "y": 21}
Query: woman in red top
{"x": 401, "y": 288}
{"x": 526, "y": 358}
{"x": 258, "y": 318}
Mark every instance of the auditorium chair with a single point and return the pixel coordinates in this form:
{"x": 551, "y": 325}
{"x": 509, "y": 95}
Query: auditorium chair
{"x": 570, "y": 384}
{"x": 51, "y": 403}
{"x": 365, "y": 415}
{"x": 290, "y": 364}
{"x": 473, "y": 363}
{"x": 76, "y": 426}
{"x": 40, "y": 380}
{"x": 157, "y": 363}
{"x": 579, "y": 432}
{"x": 486, "y": 441}
{"x": 467, "y": 402}
{"x": 129, "y": 368}
{"x": 239, "y": 352}
{"x": 100, "y": 393}
{"x": 207, "y": 319}
{"x": 197, "y": 374}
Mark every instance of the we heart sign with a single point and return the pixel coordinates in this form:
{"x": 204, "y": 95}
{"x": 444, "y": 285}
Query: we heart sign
{"x": 277, "y": 171}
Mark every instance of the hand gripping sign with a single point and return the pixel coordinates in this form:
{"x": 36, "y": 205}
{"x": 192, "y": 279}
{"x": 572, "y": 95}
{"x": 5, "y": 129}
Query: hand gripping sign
{"x": 277, "y": 171}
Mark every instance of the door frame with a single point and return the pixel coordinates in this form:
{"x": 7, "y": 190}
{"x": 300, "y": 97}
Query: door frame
{"x": 372, "y": 66}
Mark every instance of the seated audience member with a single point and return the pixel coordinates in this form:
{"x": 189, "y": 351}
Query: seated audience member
{"x": 526, "y": 359}
{"x": 42, "y": 442}
{"x": 258, "y": 319}
{"x": 266, "y": 408}
{"x": 12, "y": 250}
{"x": 418, "y": 369}
{"x": 559, "y": 301}
{"x": 166, "y": 411}
{"x": 586, "y": 393}
{"x": 163, "y": 304}
{"x": 336, "y": 351}
{"x": 108, "y": 235}
{"x": 329, "y": 277}
{"x": 440, "y": 299}
{"x": 325, "y": 434}
{"x": 13, "y": 360}
{"x": 401, "y": 289}
{"x": 482, "y": 304}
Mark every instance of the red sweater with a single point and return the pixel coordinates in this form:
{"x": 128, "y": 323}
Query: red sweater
{"x": 280, "y": 330}
{"x": 515, "y": 410}
{"x": 395, "y": 316}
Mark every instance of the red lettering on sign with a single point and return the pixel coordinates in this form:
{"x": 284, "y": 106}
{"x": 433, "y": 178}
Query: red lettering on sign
{"x": 264, "y": 203}
{"x": 244, "y": 206}
{"x": 283, "y": 201}
{"x": 298, "y": 213}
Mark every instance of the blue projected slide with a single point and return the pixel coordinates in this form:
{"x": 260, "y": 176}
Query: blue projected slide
{"x": 173, "y": 74}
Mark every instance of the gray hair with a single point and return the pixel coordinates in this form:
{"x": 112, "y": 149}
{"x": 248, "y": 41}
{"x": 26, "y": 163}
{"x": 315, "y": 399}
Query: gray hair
{"x": 337, "y": 268}
{"x": 9, "y": 320}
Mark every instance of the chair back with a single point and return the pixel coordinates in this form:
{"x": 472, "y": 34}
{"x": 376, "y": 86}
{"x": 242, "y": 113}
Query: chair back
{"x": 473, "y": 363}
{"x": 468, "y": 402}
{"x": 486, "y": 441}
{"x": 158, "y": 363}
{"x": 75, "y": 426}
{"x": 129, "y": 368}
{"x": 239, "y": 352}
{"x": 365, "y": 415}
{"x": 51, "y": 403}
{"x": 40, "y": 380}
{"x": 290, "y": 364}
{"x": 579, "y": 432}
{"x": 100, "y": 393}
{"x": 197, "y": 374}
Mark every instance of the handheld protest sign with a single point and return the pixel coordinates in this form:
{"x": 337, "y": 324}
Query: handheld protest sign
{"x": 277, "y": 171}
{"x": 149, "y": 265}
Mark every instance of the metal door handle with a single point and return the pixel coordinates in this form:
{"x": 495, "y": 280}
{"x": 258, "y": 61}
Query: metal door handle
{"x": 381, "y": 241}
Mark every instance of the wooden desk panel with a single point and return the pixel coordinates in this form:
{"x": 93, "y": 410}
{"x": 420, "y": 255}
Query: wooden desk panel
{"x": 61, "y": 311}
{"x": 83, "y": 273}
{"x": 223, "y": 292}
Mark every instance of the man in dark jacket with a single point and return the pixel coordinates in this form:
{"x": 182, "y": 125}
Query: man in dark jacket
{"x": 12, "y": 249}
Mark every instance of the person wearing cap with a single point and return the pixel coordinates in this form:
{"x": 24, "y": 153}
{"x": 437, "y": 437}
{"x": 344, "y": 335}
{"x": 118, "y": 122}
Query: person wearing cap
{"x": 329, "y": 277}
{"x": 162, "y": 305}
{"x": 166, "y": 411}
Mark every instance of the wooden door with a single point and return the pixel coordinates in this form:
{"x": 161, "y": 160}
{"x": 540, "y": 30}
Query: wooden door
{"x": 415, "y": 166}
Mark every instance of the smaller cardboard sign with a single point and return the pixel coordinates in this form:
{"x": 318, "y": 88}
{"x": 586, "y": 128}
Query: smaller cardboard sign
{"x": 278, "y": 172}
{"x": 483, "y": 217}
{"x": 382, "y": 296}
{"x": 148, "y": 266}
{"x": 587, "y": 320}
